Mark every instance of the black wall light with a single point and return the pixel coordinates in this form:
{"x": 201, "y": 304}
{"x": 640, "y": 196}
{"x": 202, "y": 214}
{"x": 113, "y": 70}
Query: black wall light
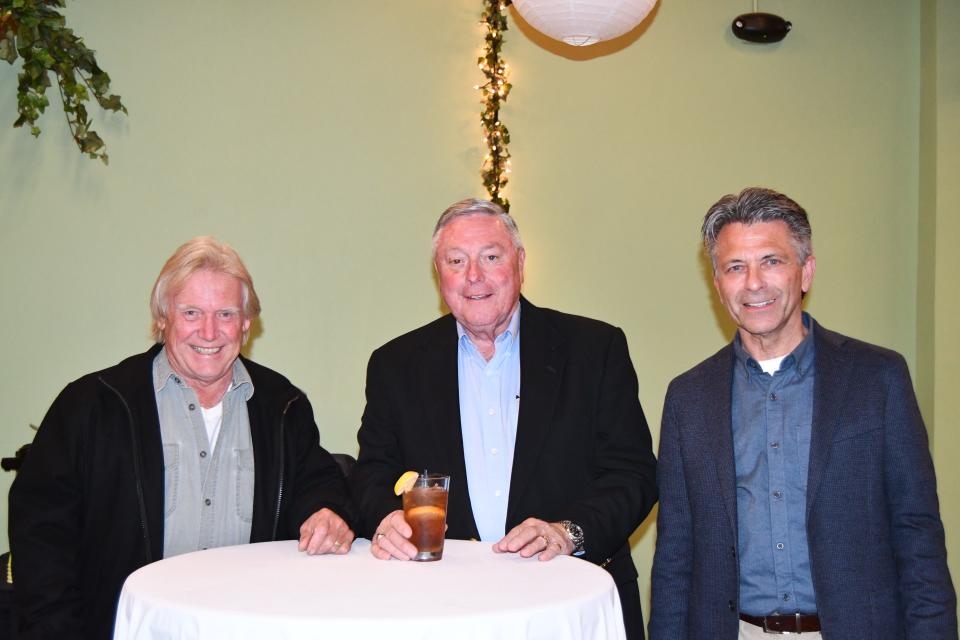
{"x": 763, "y": 28}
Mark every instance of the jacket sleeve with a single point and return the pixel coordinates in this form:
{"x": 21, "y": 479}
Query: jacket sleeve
{"x": 927, "y": 596}
{"x": 45, "y": 527}
{"x": 379, "y": 463}
{"x": 623, "y": 487}
{"x": 316, "y": 481}
{"x": 672, "y": 561}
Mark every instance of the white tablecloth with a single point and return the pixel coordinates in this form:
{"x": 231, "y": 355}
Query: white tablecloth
{"x": 272, "y": 591}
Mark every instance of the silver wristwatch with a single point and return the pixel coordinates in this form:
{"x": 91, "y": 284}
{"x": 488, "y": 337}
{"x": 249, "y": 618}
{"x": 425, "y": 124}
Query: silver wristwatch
{"x": 575, "y": 533}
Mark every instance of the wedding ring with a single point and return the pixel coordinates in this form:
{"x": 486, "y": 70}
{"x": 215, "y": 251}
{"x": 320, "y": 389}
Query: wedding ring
{"x": 545, "y": 541}
{"x": 559, "y": 547}
{"x": 380, "y": 536}
{"x": 336, "y": 545}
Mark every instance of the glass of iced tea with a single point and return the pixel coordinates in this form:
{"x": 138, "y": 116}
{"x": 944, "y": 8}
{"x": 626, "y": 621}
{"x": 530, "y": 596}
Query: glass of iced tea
{"x": 425, "y": 510}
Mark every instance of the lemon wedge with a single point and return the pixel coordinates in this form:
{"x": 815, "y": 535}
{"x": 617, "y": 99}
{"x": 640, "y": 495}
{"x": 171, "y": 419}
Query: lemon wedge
{"x": 405, "y": 482}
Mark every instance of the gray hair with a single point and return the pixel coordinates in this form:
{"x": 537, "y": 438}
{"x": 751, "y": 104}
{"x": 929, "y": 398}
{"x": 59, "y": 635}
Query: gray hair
{"x": 753, "y": 205}
{"x": 203, "y": 253}
{"x": 474, "y": 207}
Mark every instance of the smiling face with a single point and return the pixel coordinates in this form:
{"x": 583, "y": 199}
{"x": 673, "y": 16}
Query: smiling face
{"x": 203, "y": 331}
{"x": 480, "y": 273}
{"x": 761, "y": 283}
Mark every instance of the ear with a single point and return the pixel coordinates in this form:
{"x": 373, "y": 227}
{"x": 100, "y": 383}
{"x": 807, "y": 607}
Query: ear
{"x": 521, "y": 258}
{"x": 806, "y": 274}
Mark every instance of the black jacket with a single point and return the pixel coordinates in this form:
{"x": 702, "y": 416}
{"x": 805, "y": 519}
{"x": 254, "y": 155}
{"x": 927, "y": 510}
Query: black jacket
{"x": 583, "y": 450}
{"x": 86, "y": 508}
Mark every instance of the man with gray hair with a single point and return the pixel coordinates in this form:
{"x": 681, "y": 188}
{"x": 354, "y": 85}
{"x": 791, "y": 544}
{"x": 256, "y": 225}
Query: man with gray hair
{"x": 185, "y": 447}
{"x": 533, "y": 413}
{"x": 797, "y": 492}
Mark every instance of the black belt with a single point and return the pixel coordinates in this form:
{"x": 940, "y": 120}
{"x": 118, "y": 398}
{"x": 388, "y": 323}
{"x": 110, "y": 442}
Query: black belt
{"x": 782, "y": 623}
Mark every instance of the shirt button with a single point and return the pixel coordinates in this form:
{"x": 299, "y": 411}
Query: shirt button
{"x": 207, "y": 502}
{"x": 775, "y": 445}
{"x": 786, "y": 597}
{"x": 203, "y": 454}
{"x": 730, "y": 604}
{"x": 192, "y": 406}
{"x": 497, "y": 493}
{"x": 779, "y": 545}
{"x": 773, "y": 396}
{"x": 176, "y": 379}
{"x": 491, "y": 411}
{"x": 493, "y": 451}
{"x": 777, "y": 495}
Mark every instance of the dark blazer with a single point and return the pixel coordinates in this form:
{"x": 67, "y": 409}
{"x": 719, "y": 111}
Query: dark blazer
{"x": 583, "y": 449}
{"x": 86, "y": 508}
{"x": 876, "y": 540}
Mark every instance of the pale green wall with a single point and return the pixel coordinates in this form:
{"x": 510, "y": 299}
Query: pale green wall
{"x": 939, "y": 294}
{"x": 323, "y": 138}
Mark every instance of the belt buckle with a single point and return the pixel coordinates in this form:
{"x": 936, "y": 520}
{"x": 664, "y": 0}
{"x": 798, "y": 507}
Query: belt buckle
{"x": 766, "y": 629}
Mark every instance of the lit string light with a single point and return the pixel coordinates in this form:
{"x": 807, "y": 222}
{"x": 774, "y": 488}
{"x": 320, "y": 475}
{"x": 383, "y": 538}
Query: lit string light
{"x": 496, "y": 164}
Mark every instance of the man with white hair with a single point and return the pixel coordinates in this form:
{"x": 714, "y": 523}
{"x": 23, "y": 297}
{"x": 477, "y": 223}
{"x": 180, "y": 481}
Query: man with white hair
{"x": 182, "y": 448}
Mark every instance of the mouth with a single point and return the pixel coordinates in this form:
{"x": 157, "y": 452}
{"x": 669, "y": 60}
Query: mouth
{"x": 763, "y": 304}
{"x": 206, "y": 351}
{"x": 481, "y": 296}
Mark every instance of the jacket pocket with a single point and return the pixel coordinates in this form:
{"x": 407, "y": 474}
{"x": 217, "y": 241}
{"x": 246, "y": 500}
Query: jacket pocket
{"x": 171, "y": 478}
{"x": 245, "y": 477}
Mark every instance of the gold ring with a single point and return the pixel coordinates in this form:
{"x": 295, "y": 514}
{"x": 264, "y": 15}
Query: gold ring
{"x": 336, "y": 544}
{"x": 559, "y": 546}
{"x": 545, "y": 541}
{"x": 380, "y": 536}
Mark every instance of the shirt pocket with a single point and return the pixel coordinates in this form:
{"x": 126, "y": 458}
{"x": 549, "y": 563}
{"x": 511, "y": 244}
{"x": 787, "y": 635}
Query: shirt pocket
{"x": 171, "y": 477}
{"x": 245, "y": 477}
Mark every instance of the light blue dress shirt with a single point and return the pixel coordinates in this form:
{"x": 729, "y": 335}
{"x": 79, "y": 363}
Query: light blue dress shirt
{"x": 489, "y": 406}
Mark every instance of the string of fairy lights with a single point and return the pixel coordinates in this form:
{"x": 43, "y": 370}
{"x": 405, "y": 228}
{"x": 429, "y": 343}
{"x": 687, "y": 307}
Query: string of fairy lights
{"x": 494, "y": 92}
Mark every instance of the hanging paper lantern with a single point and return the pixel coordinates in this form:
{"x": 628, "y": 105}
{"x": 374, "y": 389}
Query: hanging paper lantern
{"x": 583, "y": 22}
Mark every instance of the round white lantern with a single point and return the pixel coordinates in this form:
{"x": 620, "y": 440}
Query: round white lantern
{"x": 583, "y": 22}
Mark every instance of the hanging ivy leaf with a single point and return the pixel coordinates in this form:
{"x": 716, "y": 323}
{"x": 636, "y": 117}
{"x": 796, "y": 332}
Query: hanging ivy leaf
{"x": 36, "y": 33}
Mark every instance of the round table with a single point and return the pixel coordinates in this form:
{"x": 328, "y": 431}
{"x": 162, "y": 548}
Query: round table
{"x": 271, "y": 590}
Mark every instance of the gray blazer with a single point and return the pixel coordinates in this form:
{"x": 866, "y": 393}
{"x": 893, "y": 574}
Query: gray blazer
{"x": 873, "y": 521}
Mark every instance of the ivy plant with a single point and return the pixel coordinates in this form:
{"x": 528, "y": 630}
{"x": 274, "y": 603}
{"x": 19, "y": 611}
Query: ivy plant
{"x": 35, "y": 31}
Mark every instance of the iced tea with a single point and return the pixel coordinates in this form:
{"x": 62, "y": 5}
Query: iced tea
{"x": 425, "y": 510}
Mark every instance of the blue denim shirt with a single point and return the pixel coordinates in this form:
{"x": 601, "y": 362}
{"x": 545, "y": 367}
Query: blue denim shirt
{"x": 772, "y": 416}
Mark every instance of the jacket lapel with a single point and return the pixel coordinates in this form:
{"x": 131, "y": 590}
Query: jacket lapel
{"x": 542, "y": 359}
{"x": 832, "y": 371}
{"x": 717, "y": 428}
{"x": 440, "y": 392}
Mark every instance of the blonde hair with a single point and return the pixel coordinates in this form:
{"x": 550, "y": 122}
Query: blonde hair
{"x": 203, "y": 253}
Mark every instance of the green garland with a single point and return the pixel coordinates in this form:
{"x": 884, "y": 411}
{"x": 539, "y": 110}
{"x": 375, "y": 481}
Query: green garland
{"x": 36, "y": 32}
{"x": 496, "y": 164}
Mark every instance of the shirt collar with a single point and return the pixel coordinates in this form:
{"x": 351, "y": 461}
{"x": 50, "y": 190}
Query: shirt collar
{"x": 163, "y": 373}
{"x": 508, "y": 337}
{"x": 801, "y": 357}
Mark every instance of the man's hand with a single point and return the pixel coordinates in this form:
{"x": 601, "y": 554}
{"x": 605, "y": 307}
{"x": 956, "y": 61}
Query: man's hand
{"x": 533, "y": 536}
{"x": 325, "y": 532}
{"x": 392, "y": 539}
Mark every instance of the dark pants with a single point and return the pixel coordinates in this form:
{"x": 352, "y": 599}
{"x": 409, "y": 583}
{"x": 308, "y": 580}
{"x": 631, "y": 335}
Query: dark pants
{"x": 632, "y": 615}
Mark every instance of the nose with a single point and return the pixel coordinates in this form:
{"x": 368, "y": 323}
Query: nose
{"x": 208, "y": 327}
{"x": 755, "y": 280}
{"x": 474, "y": 272}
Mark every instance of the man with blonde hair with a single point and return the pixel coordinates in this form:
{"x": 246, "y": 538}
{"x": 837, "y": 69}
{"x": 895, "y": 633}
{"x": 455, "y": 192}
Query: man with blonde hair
{"x": 185, "y": 447}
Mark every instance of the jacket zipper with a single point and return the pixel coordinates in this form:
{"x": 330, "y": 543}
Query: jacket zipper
{"x": 137, "y": 471}
{"x": 283, "y": 416}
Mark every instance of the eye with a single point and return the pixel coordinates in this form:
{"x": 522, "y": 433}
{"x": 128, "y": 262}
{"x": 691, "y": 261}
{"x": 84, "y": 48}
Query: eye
{"x": 191, "y": 314}
{"x": 773, "y": 261}
{"x": 735, "y": 268}
{"x": 492, "y": 257}
{"x": 453, "y": 262}
{"x": 225, "y": 315}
